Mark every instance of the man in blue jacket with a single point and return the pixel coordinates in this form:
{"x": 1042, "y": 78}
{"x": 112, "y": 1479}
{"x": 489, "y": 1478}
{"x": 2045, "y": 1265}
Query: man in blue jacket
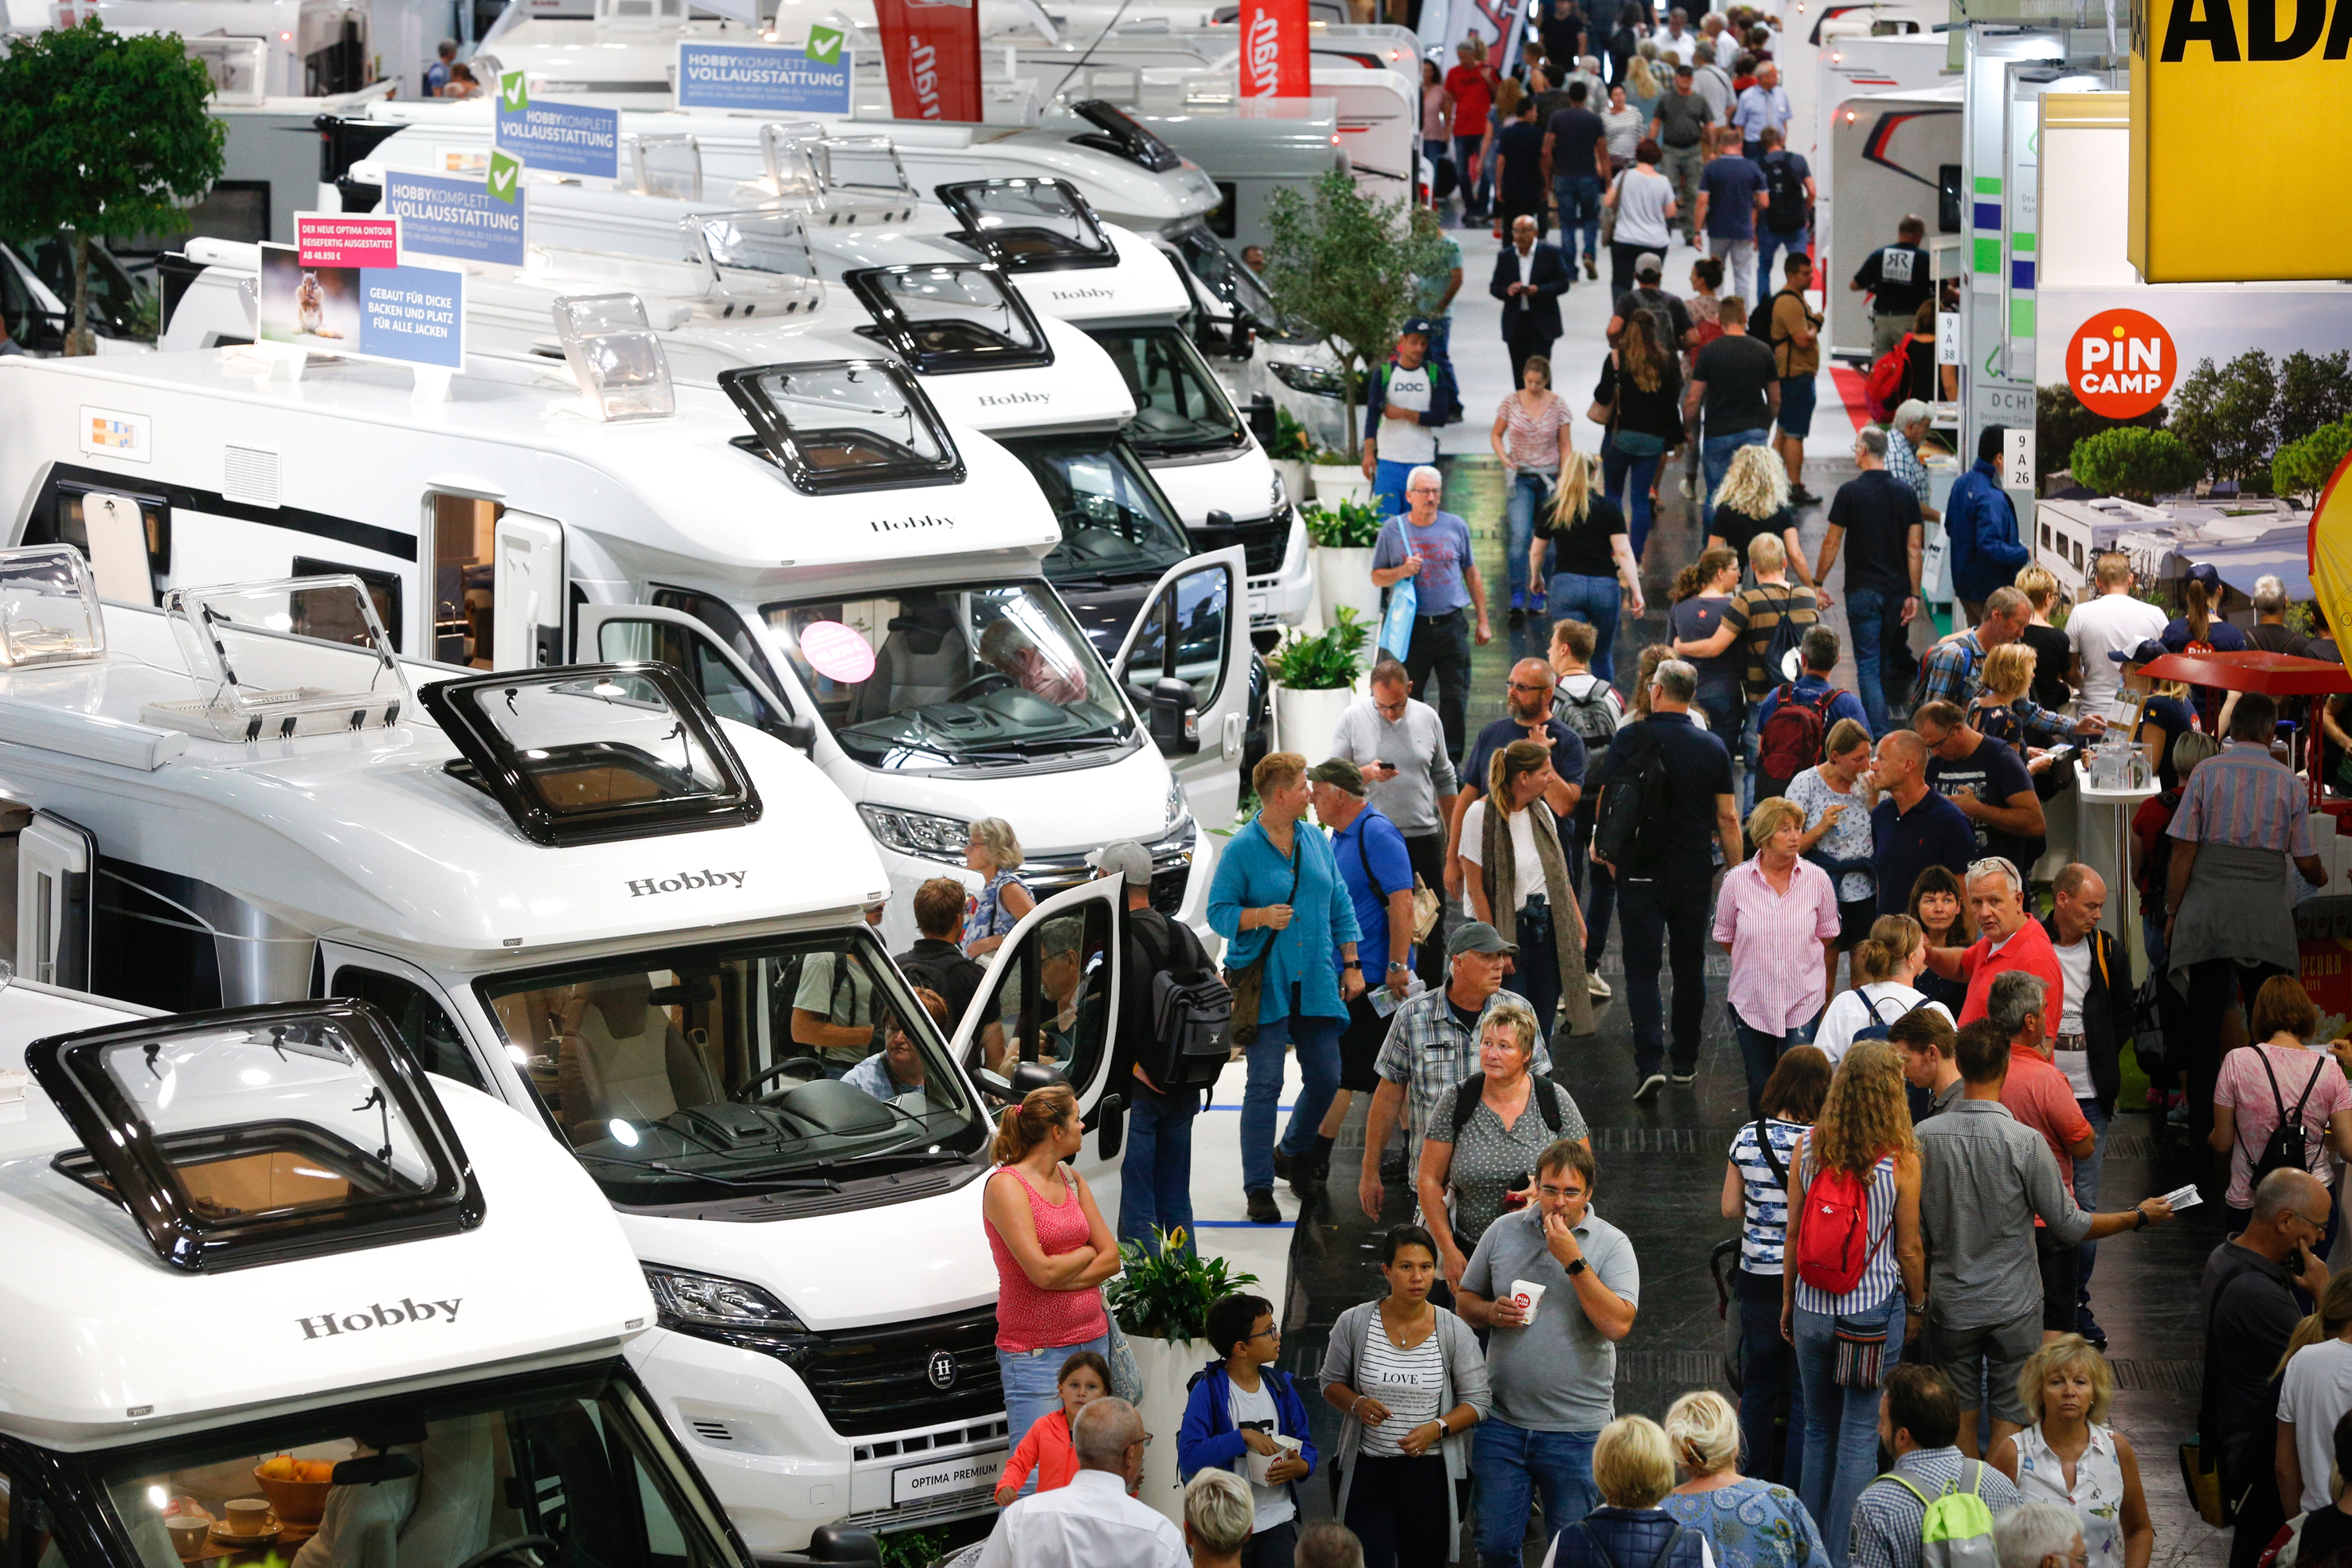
{"x": 1980, "y": 526}
{"x": 1238, "y": 1407}
{"x": 1405, "y": 401}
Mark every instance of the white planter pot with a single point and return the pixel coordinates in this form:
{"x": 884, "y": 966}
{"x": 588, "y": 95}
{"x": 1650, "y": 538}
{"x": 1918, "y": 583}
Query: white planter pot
{"x": 1305, "y": 722}
{"x": 1167, "y": 1366}
{"x": 1340, "y": 482}
{"x": 1293, "y": 477}
{"x": 1343, "y": 578}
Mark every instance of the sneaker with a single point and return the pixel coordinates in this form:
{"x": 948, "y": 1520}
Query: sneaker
{"x": 2089, "y": 1327}
{"x": 1650, "y": 1087}
{"x": 1685, "y": 1079}
{"x": 2177, "y": 1116}
{"x": 1800, "y": 497}
{"x": 1261, "y": 1210}
{"x": 1392, "y": 1165}
{"x": 1519, "y": 601}
{"x": 1536, "y": 605}
{"x": 1591, "y": 270}
{"x": 1597, "y": 989}
{"x": 1690, "y": 487}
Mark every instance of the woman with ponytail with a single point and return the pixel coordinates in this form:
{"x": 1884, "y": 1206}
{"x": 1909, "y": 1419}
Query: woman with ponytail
{"x": 1886, "y": 965}
{"x": 2314, "y": 1379}
{"x": 1052, "y": 1252}
{"x": 1749, "y": 1523}
{"x": 1703, "y": 592}
{"x": 1595, "y": 576}
{"x": 2197, "y": 629}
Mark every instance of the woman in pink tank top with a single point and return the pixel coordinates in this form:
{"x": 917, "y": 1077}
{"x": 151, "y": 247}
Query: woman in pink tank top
{"x": 1052, "y": 1252}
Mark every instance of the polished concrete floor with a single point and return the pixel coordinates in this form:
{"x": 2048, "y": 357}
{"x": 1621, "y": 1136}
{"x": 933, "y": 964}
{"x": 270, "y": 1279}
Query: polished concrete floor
{"x": 1662, "y": 1164}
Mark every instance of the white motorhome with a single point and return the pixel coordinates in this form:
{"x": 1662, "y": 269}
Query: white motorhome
{"x": 1890, "y": 155}
{"x": 324, "y": 1309}
{"x": 639, "y": 925}
{"x": 826, "y": 555}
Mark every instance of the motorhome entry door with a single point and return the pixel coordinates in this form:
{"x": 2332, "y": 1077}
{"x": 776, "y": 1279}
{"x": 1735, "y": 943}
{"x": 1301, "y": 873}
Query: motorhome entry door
{"x": 528, "y": 559}
{"x": 57, "y": 863}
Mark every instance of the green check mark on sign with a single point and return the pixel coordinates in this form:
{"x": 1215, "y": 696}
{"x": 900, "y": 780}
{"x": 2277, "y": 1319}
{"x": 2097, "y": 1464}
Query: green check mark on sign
{"x": 504, "y": 172}
{"x": 824, "y": 45}
{"x": 512, "y": 88}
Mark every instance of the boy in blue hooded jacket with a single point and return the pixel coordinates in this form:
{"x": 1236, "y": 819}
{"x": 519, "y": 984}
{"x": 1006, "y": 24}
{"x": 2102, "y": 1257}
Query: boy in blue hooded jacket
{"x": 1236, "y": 1407}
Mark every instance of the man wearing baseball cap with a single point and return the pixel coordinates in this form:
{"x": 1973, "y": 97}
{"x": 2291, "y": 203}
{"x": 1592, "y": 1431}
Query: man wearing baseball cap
{"x": 1155, "y": 1189}
{"x": 1405, "y": 402}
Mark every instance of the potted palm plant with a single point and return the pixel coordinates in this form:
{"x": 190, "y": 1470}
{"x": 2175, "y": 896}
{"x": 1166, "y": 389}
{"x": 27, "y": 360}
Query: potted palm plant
{"x": 1343, "y": 534}
{"x": 1161, "y": 1300}
{"x": 1314, "y": 681}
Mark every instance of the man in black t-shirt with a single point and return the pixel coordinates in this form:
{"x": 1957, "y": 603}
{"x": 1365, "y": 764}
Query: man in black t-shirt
{"x": 1668, "y": 314}
{"x": 1575, "y": 159}
{"x": 1987, "y": 780}
{"x": 1735, "y": 385}
{"x": 937, "y": 960}
{"x": 1880, "y": 513}
{"x": 1898, "y": 279}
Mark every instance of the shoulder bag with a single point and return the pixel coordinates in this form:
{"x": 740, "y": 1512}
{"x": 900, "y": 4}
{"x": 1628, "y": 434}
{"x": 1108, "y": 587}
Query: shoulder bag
{"x": 1248, "y": 982}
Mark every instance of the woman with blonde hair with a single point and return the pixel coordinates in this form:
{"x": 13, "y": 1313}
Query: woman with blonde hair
{"x": 1517, "y": 882}
{"x": 1219, "y": 1511}
{"x": 1643, "y": 89}
{"x": 2052, "y": 652}
{"x": 2068, "y": 1456}
{"x": 1836, "y": 797}
{"x": 1752, "y": 499}
{"x": 1641, "y": 385}
{"x": 1887, "y": 968}
{"x": 2163, "y": 715}
{"x": 1594, "y": 574}
{"x": 2314, "y": 1379}
{"x": 1472, "y": 1159}
{"x": 1749, "y": 1523}
{"x": 993, "y": 850}
{"x": 1858, "y": 1158}
{"x": 1777, "y": 915}
{"x": 1632, "y": 1469}
{"x": 2002, "y": 679}
{"x": 1052, "y": 1249}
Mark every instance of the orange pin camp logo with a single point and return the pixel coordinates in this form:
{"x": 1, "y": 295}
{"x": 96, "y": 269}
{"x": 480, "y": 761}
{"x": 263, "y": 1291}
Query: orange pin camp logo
{"x": 2121, "y": 363}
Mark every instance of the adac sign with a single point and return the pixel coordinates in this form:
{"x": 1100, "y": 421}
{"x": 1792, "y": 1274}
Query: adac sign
{"x": 2237, "y": 109}
{"x": 2120, "y": 363}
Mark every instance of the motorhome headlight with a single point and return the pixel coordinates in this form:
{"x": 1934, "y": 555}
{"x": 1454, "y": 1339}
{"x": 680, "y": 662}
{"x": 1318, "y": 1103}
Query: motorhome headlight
{"x": 1175, "y": 806}
{"x": 1277, "y": 494}
{"x": 918, "y": 832}
{"x": 1313, "y": 380}
{"x": 692, "y": 1302}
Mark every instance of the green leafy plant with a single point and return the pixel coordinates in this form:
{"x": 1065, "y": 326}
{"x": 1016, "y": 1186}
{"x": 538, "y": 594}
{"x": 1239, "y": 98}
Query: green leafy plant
{"x": 2136, "y": 464}
{"x": 1166, "y": 1294}
{"x": 1332, "y": 457}
{"x": 1291, "y": 441}
{"x": 2060, "y": 420}
{"x": 102, "y": 134}
{"x": 913, "y": 1548}
{"x": 1328, "y": 662}
{"x": 1344, "y": 525}
{"x": 2304, "y": 468}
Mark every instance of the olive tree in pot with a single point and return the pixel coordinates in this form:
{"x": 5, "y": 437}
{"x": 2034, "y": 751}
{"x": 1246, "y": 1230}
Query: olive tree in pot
{"x": 1314, "y": 681}
{"x": 1343, "y": 534}
{"x": 1161, "y": 1300}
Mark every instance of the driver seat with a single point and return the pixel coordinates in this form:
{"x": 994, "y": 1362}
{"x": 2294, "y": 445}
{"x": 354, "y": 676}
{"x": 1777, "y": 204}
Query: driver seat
{"x": 925, "y": 659}
{"x": 627, "y": 1061}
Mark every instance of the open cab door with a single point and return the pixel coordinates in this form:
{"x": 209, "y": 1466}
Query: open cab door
{"x": 1185, "y": 664}
{"x": 1048, "y": 1013}
{"x": 619, "y": 633}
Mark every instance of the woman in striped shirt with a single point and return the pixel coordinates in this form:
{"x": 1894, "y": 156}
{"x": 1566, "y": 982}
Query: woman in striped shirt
{"x": 1846, "y": 1342}
{"x": 1755, "y": 1193}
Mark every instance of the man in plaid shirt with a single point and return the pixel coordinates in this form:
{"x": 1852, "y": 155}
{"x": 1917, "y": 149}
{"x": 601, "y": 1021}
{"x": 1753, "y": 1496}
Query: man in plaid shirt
{"x": 1903, "y": 438}
{"x": 1949, "y": 673}
{"x": 1432, "y": 1045}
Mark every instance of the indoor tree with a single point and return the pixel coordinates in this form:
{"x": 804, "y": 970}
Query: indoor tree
{"x": 2136, "y": 462}
{"x": 1348, "y": 268}
{"x": 103, "y": 135}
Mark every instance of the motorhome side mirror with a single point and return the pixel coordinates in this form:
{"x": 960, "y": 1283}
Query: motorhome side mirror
{"x": 1216, "y": 518}
{"x": 372, "y": 1469}
{"x": 1243, "y": 338}
{"x": 1262, "y": 421}
{"x": 1175, "y": 724}
{"x": 800, "y": 734}
{"x": 828, "y": 1543}
{"x": 1110, "y": 1126}
{"x": 1028, "y": 1077}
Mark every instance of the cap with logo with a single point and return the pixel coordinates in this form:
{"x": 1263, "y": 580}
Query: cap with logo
{"x": 1413, "y": 324}
{"x": 1477, "y": 937}
{"x": 2138, "y": 652}
{"x": 1125, "y": 859}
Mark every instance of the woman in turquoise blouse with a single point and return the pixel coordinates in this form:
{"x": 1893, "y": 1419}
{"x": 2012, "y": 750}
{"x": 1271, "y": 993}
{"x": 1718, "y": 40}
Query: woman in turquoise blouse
{"x": 1278, "y": 895}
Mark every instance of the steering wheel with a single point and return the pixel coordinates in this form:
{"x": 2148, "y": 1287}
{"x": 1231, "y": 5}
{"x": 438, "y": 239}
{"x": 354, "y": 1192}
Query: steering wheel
{"x": 972, "y": 687}
{"x": 802, "y": 1069}
{"x": 508, "y": 1548}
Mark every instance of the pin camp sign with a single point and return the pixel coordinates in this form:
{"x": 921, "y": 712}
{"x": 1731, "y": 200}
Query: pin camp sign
{"x": 2210, "y": 206}
{"x": 2120, "y": 363}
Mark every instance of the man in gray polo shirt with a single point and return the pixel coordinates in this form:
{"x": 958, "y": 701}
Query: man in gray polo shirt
{"x": 1984, "y": 1177}
{"x": 1553, "y": 1364}
{"x": 1399, "y": 746}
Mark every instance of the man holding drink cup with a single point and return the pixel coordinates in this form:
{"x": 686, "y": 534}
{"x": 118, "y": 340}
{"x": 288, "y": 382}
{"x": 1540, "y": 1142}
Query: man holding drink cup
{"x": 1552, "y": 1362}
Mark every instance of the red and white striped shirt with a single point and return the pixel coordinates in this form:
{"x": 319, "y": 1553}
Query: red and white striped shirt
{"x": 2247, "y": 797}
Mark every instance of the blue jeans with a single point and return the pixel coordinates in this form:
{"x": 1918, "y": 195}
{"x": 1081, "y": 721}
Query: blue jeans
{"x": 1387, "y": 487}
{"x": 1032, "y": 1380}
{"x": 1441, "y": 342}
{"x": 1715, "y": 458}
{"x": 1769, "y": 247}
{"x": 1598, "y": 602}
{"x": 1768, "y": 1365}
{"x": 2086, "y": 1197}
{"x": 1509, "y": 1464}
{"x": 1465, "y": 148}
{"x": 1579, "y": 196}
{"x": 1875, "y": 620}
{"x": 1155, "y": 1189}
{"x": 1529, "y": 493}
{"x": 1759, "y": 1049}
{"x": 1620, "y": 474}
{"x": 1841, "y": 1423}
{"x": 1318, "y": 1040}
{"x": 1535, "y": 970}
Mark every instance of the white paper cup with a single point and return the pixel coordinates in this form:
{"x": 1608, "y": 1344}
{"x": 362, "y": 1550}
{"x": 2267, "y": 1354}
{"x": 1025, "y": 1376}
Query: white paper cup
{"x": 1259, "y": 1464}
{"x": 1529, "y": 1294}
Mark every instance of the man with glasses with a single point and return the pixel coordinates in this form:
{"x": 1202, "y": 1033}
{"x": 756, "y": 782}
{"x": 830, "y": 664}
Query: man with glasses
{"x": 1432, "y": 549}
{"x": 1985, "y": 1178}
{"x": 2251, "y": 1309}
{"x": 1092, "y": 1522}
{"x": 1397, "y": 744}
{"x": 1527, "y": 705}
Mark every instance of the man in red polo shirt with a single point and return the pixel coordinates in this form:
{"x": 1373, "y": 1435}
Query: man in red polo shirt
{"x": 2011, "y": 940}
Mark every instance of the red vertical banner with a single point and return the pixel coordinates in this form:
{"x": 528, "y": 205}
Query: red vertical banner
{"x": 1276, "y": 61}
{"x": 931, "y": 51}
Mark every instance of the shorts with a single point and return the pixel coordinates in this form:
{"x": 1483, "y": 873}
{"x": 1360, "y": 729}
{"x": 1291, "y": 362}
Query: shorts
{"x": 1796, "y": 405}
{"x": 1855, "y": 921}
{"x": 2058, "y": 1282}
{"x": 1966, "y": 1357}
{"x": 1360, "y": 1046}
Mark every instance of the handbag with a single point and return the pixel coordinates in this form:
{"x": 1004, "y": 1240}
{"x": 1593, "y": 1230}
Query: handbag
{"x": 1248, "y": 982}
{"x": 1861, "y": 1353}
{"x": 1427, "y": 904}
{"x": 2202, "y": 1480}
{"x": 1126, "y": 1376}
{"x": 1396, "y": 625}
{"x": 1638, "y": 443}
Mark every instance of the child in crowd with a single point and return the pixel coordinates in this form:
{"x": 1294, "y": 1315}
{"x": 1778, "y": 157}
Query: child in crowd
{"x": 1045, "y": 1447}
{"x": 1237, "y": 1407}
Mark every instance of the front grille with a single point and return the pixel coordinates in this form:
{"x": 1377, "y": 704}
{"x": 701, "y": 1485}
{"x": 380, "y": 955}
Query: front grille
{"x": 878, "y": 1379}
{"x": 1263, "y": 540}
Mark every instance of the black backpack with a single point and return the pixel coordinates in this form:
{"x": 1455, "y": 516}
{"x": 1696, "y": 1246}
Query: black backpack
{"x": 1788, "y": 635}
{"x": 1759, "y": 320}
{"x": 2289, "y": 1145}
{"x": 1192, "y": 1010}
{"x": 1632, "y": 830}
{"x": 1467, "y": 1093}
{"x": 1879, "y": 1022}
{"x": 1786, "y": 190}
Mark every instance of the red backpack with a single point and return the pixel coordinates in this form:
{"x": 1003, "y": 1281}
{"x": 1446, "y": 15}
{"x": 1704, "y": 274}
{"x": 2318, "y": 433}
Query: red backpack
{"x": 1791, "y": 740}
{"x": 1833, "y": 1246}
{"x": 1884, "y": 386}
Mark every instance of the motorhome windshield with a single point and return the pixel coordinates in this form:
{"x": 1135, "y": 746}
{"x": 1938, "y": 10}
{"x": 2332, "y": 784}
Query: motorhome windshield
{"x": 776, "y": 1065}
{"x": 979, "y": 674}
{"x": 950, "y": 319}
{"x": 1115, "y": 522}
{"x": 1234, "y": 285}
{"x": 1029, "y": 226}
{"x": 553, "y": 1470}
{"x": 846, "y": 424}
{"x": 1179, "y": 407}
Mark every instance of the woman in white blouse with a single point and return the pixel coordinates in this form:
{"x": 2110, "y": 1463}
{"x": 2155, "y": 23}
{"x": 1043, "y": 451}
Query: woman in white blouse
{"x": 2069, "y": 1457}
{"x": 1885, "y": 965}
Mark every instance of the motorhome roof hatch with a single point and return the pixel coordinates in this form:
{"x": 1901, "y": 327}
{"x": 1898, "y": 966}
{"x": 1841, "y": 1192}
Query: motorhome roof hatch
{"x": 844, "y": 425}
{"x": 616, "y": 356}
{"x": 950, "y": 317}
{"x": 258, "y": 1134}
{"x": 299, "y": 655}
{"x": 1122, "y": 136}
{"x": 1029, "y": 226}
{"x": 49, "y": 603}
{"x": 589, "y": 753}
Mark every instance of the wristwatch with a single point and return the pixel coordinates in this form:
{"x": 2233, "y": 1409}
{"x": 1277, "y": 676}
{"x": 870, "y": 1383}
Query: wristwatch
{"x": 1577, "y": 1267}
{"x": 1396, "y": 964}
{"x": 1351, "y": 964}
{"x": 2139, "y": 1218}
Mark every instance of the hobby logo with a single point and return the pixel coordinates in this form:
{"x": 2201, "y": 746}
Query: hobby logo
{"x": 648, "y": 886}
{"x": 407, "y": 1309}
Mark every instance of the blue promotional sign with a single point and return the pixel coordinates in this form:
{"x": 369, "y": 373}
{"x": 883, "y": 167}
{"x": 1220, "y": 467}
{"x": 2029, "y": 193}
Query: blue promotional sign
{"x": 460, "y": 218}
{"x": 567, "y": 138}
{"x": 413, "y": 314}
{"x": 774, "y": 78}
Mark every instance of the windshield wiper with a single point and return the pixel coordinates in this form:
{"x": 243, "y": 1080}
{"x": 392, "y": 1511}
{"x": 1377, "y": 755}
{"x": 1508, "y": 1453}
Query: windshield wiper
{"x": 910, "y": 1156}
{"x": 766, "y": 1184}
